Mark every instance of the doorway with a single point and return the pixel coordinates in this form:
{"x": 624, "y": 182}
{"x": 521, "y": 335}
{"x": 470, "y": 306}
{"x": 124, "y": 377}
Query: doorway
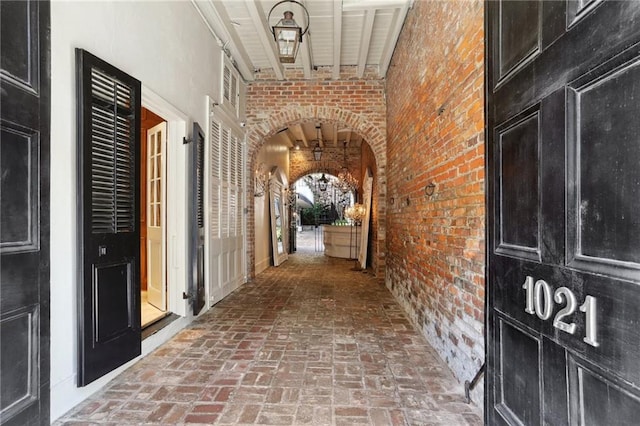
{"x": 153, "y": 166}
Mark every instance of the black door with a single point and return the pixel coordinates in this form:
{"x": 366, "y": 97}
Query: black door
{"x": 196, "y": 218}
{"x": 24, "y": 212}
{"x": 109, "y": 217}
{"x": 563, "y": 307}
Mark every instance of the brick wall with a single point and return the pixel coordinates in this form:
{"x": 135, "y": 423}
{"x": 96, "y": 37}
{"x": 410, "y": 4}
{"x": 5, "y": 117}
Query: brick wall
{"x": 302, "y": 162}
{"x": 435, "y": 244}
{"x": 358, "y": 104}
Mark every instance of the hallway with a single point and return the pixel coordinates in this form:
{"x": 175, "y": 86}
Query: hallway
{"x": 310, "y": 342}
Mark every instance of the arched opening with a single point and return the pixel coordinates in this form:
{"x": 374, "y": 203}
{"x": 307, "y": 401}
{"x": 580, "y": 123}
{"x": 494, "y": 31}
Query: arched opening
{"x": 290, "y": 144}
{"x": 319, "y": 201}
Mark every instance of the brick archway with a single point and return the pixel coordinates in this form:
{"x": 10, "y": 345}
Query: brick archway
{"x": 373, "y": 133}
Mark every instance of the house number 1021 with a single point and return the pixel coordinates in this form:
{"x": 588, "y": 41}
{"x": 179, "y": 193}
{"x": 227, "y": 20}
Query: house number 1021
{"x": 540, "y": 299}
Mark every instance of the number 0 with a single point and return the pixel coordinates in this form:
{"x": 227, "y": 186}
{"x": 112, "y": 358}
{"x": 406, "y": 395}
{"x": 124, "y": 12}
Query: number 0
{"x": 542, "y": 292}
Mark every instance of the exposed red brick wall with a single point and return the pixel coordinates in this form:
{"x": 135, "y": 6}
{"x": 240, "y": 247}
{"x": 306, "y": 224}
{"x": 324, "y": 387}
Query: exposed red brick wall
{"x": 435, "y": 244}
{"x": 358, "y": 104}
{"x": 301, "y": 162}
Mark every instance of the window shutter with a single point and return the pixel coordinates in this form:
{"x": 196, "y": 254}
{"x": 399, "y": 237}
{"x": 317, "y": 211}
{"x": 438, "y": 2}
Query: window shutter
{"x": 230, "y": 86}
{"x": 214, "y": 188}
{"x": 226, "y": 83}
{"x": 112, "y": 155}
{"x": 199, "y": 181}
{"x": 240, "y": 171}
{"x": 108, "y": 168}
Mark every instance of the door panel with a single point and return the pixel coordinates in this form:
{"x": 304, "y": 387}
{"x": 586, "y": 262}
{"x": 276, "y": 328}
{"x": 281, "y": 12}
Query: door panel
{"x": 225, "y": 241}
{"x": 564, "y": 179}
{"x": 156, "y": 190}
{"x": 24, "y": 212}
{"x": 518, "y": 396}
{"x": 598, "y": 397}
{"x": 109, "y": 217}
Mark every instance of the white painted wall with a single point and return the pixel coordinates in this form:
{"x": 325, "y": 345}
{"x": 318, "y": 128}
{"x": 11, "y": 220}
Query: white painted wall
{"x": 271, "y": 155}
{"x": 166, "y": 46}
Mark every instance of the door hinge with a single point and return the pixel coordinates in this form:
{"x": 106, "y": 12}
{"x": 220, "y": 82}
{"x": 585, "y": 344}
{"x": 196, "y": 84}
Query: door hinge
{"x": 186, "y": 296}
{"x": 186, "y": 141}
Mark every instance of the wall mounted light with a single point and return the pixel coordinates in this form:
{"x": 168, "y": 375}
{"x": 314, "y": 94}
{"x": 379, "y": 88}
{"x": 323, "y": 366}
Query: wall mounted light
{"x": 287, "y": 33}
{"x": 430, "y": 189}
{"x": 261, "y": 181}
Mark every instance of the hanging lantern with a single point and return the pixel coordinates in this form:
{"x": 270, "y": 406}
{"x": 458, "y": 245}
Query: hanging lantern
{"x": 288, "y": 34}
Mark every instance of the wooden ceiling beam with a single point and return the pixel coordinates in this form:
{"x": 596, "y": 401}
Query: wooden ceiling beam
{"x": 259, "y": 20}
{"x": 214, "y": 15}
{"x": 304, "y": 136}
{"x": 365, "y": 41}
{"x": 337, "y": 38}
{"x": 399, "y": 16}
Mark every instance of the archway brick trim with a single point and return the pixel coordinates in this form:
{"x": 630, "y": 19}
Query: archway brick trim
{"x": 370, "y": 125}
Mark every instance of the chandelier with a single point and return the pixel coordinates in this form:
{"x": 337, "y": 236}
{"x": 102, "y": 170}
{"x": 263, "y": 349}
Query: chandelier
{"x": 346, "y": 181}
{"x": 356, "y": 213}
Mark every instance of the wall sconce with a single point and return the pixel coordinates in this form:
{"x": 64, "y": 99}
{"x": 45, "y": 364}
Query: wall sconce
{"x": 261, "y": 182}
{"x": 287, "y": 33}
{"x": 430, "y": 189}
{"x": 290, "y": 197}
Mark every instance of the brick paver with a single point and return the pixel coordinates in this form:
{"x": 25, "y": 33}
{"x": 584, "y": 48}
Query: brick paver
{"x": 308, "y": 343}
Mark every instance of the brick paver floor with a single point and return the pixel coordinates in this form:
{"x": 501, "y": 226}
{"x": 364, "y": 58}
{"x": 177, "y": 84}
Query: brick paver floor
{"x": 309, "y": 342}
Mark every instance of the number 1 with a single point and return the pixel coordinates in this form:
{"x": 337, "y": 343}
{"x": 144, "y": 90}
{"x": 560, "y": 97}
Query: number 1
{"x": 591, "y": 325}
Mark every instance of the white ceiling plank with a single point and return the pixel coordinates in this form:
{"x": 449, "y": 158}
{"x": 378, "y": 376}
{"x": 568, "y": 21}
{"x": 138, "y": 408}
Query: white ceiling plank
{"x": 266, "y": 37}
{"x": 351, "y": 5}
{"x": 305, "y": 46}
{"x": 392, "y": 39}
{"x": 337, "y": 38}
{"x": 365, "y": 41}
{"x": 215, "y": 17}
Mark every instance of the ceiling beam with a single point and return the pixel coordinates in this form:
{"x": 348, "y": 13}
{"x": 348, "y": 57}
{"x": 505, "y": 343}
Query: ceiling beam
{"x": 266, "y": 37}
{"x": 337, "y": 38}
{"x": 304, "y": 137}
{"x": 399, "y": 15}
{"x": 365, "y": 41}
{"x": 287, "y": 136}
{"x": 335, "y": 134}
{"x": 318, "y": 130}
{"x": 214, "y": 15}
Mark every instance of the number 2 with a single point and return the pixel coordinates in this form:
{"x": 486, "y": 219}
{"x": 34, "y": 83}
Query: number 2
{"x": 559, "y": 296}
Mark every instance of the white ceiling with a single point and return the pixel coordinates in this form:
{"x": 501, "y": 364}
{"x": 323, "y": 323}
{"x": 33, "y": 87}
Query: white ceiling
{"x": 356, "y": 33}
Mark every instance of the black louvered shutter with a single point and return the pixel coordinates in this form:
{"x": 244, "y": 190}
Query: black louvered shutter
{"x": 108, "y": 213}
{"x": 196, "y": 218}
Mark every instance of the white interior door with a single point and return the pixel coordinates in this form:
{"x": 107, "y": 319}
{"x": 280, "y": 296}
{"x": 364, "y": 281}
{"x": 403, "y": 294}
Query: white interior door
{"x": 156, "y": 190}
